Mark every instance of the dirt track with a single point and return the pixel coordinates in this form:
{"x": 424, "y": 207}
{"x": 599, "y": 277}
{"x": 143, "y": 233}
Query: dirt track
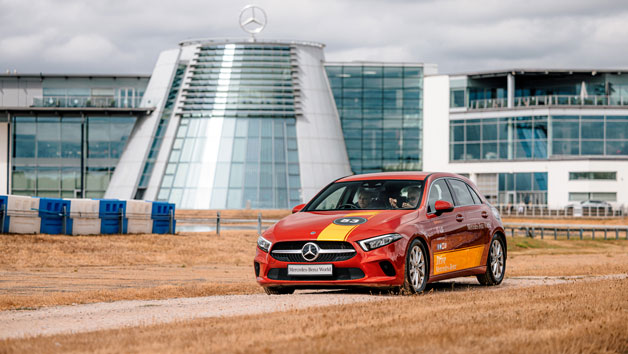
{"x": 99, "y": 316}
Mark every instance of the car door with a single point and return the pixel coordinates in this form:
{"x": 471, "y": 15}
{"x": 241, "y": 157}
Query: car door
{"x": 471, "y": 238}
{"x": 443, "y": 230}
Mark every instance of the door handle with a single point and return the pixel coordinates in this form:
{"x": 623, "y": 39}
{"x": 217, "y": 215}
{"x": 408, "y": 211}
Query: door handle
{"x": 484, "y": 214}
{"x": 459, "y": 217}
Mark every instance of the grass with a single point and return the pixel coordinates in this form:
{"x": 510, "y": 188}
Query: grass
{"x": 46, "y": 270}
{"x": 583, "y": 317}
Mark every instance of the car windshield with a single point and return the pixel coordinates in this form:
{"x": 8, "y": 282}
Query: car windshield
{"x": 369, "y": 195}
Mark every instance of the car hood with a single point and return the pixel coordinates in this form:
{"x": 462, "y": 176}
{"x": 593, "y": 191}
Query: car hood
{"x": 338, "y": 225}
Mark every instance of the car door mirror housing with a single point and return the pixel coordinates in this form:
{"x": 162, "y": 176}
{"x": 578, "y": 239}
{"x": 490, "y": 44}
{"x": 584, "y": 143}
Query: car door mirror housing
{"x": 297, "y": 208}
{"x": 443, "y": 206}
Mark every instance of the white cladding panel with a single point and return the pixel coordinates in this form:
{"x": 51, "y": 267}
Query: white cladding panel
{"x": 322, "y": 152}
{"x": 131, "y": 164}
{"x": 436, "y": 123}
{"x": 4, "y": 158}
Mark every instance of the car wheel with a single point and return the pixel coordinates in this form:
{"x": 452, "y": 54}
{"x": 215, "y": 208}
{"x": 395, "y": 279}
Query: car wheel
{"x": 278, "y": 290}
{"x": 416, "y": 268}
{"x": 495, "y": 263}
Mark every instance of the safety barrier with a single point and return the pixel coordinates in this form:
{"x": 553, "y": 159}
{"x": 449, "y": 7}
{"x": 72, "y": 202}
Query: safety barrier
{"x": 567, "y": 231}
{"x": 24, "y": 215}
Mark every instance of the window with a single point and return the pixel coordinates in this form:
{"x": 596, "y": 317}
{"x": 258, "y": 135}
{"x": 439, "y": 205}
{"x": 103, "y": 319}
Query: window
{"x": 438, "y": 191}
{"x": 476, "y": 198}
{"x": 592, "y": 176}
{"x": 463, "y": 196}
{"x": 601, "y": 196}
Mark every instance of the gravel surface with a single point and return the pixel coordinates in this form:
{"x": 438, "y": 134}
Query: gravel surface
{"x": 100, "y": 316}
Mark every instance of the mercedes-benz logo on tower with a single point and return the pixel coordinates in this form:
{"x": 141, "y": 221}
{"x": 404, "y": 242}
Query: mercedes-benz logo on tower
{"x": 252, "y": 19}
{"x": 310, "y": 251}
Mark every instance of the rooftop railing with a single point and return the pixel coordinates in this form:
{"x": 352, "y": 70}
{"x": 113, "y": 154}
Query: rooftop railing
{"x": 550, "y": 100}
{"x": 86, "y": 101}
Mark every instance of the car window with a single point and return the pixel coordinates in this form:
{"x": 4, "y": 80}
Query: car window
{"x": 476, "y": 198}
{"x": 438, "y": 191}
{"x": 332, "y": 201}
{"x": 369, "y": 195}
{"x": 463, "y": 196}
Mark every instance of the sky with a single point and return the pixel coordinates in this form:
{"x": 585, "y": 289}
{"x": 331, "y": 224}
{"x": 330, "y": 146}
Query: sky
{"x": 126, "y": 36}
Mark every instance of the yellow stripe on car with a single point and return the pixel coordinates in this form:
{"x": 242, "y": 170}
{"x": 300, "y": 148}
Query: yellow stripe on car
{"x": 335, "y": 232}
{"x": 451, "y": 261}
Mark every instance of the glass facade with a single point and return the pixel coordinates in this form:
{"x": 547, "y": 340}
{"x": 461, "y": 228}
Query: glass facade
{"x": 538, "y": 137}
{"x": 166, "y": 114}
{"x": 381, "y": 111}
{"x": 248, "y": 90}
{"x": 107, "y": 92}
{"x": 522, "y": 188}
{"x": 575, "y": 176}
{"x": 66, "y": 156}
{"x": 547, "y": 88}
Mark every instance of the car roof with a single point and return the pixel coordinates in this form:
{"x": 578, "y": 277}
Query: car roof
{"x": 405, "y": 175}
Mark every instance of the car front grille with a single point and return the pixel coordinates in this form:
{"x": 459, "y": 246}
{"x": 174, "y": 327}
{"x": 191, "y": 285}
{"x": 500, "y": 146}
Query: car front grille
{"x": 338, "y": 274}
{"x": 338, "y": 251}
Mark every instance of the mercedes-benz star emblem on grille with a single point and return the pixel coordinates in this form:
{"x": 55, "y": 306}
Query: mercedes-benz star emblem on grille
{"x": 252, "y": 19}
{"x": 310, "y": 251}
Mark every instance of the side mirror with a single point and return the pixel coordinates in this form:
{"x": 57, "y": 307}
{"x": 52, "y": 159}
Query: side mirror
{"x": 443, "y": 206}
{"x": 297, "y": 208}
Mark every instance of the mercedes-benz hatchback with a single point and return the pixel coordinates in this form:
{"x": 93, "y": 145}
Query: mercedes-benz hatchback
{"x": 398, "y": 230}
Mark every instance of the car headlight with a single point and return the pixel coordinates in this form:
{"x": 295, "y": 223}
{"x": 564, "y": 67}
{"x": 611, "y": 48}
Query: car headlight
{"x": 263, "y": 244}
{"x": 496, "y": 213}
{"x": 379, "y": 241}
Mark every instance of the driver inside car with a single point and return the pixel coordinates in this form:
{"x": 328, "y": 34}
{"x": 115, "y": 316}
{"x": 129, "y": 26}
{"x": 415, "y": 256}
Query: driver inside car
{"x": 366, "y": 199}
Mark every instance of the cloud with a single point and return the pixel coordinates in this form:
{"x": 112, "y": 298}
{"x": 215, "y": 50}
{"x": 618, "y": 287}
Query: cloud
{"x": 83, "y": 48}
{"x": 119, "y": 36}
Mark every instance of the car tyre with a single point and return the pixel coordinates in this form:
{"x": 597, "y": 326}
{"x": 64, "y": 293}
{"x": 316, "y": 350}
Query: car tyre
{"x": 495, "y": 263}
{"x": 417, "y": 269}
{"x": 278, "y": 290}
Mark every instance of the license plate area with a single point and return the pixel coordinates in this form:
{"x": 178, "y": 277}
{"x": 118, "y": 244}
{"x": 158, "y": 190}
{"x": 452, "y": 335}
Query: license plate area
{"x": 310, "y": 269}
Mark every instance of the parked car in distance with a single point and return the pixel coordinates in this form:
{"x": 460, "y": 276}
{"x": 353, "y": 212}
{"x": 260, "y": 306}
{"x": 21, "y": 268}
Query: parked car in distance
{"x": 398, "y": 230}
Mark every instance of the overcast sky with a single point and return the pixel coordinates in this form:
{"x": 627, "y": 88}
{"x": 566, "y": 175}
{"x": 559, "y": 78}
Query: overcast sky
{"x": 125, "y": 36}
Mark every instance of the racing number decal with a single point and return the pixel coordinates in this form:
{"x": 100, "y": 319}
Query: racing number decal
{"x": 340, "y": 228}
{"x": 445, "y": 262}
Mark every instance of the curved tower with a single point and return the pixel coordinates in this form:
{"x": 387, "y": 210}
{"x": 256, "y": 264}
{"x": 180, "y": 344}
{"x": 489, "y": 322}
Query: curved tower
{"x": 238, "y": 124}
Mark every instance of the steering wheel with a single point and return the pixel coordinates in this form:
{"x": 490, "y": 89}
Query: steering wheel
{"x": 348, "y": 206}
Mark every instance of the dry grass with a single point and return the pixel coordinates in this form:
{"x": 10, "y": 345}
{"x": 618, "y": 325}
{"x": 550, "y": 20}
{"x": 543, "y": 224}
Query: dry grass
{"x": 230, "y": 248}
{"x": 581, "y": 317}
{"x": 45, "y": 270}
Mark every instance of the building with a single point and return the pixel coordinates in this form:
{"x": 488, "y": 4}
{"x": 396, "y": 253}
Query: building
{"x": 236, "y": 124}
{"x": 381, "y": 109}
{"x": 62, "y": 135}
{"x": 550, "y": 137}
{"x": 266, "y": 124}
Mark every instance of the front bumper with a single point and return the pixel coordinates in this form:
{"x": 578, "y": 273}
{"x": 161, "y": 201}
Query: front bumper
{"x": 383, "y": 267}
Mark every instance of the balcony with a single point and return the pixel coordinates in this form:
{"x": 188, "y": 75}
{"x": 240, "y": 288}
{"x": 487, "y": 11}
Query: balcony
{"x": 86, "y": 101}
{"x": 550, "y": 100}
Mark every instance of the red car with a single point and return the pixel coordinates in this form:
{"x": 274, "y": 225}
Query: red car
{"x": 399, "y": 230}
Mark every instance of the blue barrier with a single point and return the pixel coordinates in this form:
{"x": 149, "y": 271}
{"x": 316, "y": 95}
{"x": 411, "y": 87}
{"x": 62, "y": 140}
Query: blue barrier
{"x": 163, "y": 217}
{"x": 54, "y": 214}
{"x": 23, "y": 214}
{"x": 112, "y": 212}
{"x": 4, "y": 218}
